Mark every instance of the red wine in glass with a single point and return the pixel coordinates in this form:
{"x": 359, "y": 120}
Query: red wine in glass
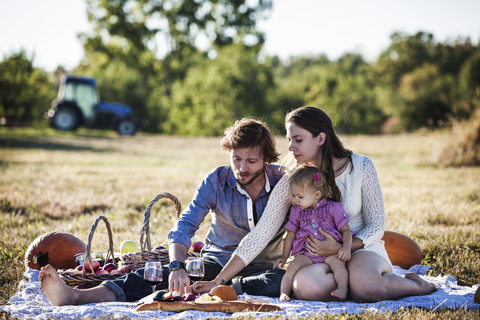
{"x": 153, "y": 283}
{"x": 153, "y": 274}
{"x": 195, "y": 268}
{"x": 195, "y": 277}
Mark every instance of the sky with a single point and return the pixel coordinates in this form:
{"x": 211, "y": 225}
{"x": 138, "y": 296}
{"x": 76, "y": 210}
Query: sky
{"x": 47, "y": 29}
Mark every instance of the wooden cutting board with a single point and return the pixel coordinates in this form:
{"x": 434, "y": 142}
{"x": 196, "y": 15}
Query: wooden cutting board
{"x": 209, "y": 306}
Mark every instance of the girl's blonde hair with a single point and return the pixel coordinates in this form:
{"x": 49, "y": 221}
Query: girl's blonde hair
{"x": 310, "y": 175}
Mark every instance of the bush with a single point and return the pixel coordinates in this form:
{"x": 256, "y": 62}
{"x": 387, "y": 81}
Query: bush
{"x": 464, "y": 149}
{"x": 25, "y": 91}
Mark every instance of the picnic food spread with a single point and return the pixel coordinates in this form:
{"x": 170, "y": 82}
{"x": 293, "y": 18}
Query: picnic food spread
{"x": 172, "y": 301}
{"x": 402, "y": 251}
{"x": 213, "y": 306}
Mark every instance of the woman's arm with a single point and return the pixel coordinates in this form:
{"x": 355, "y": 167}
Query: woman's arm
{"x": 372, "y": 205}
{"x": 257, "y": 239}
{"x": 272, "y": 219}
{"x": 234, "y": 265}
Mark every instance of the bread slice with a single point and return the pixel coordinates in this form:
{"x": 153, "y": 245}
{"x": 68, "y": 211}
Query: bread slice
{"x": 209, "y": 306}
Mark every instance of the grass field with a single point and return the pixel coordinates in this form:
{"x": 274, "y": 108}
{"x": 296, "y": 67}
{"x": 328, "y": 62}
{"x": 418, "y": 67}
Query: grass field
{"x": 63, "y": 181}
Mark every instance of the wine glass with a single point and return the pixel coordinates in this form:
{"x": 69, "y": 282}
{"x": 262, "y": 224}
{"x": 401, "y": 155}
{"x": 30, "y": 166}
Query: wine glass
{"x": 195, "y": 268}
{"x": 153, "y": 274}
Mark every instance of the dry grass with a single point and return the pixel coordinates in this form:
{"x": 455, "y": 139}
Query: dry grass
{"x": 63, "y": 181}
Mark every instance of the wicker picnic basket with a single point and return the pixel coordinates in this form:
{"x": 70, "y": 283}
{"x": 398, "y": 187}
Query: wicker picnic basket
{"x": 88, "y": 280}
{"x": 136, "y": 260}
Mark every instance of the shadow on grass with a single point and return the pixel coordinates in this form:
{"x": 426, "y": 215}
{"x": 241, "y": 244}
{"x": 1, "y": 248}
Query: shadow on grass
{"x": 32, "y": 143}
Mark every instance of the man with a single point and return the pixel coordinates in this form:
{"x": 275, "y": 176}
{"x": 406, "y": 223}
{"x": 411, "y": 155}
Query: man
{"x": 235, "y": 196}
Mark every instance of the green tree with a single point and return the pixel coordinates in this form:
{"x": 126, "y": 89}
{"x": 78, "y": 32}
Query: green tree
{"x": 293, "y": 79}
{"x": 216, "y": 92}
{"x": 128, "y": 28}
{"x": 416, "y": 79}
{"x": 349, "y": 92}
{"x": 405, "y": 54}
{"x": 154, "y": 43}
{"x": 25, "y": 91}
{"x": 343, "y": 88}
{"x": 138, "y": 22}
{"x": 427, "y": 97}
{"x": 469, "y": 83}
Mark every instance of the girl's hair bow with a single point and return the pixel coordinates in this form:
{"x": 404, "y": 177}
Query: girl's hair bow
{"x": 316, "y": 177}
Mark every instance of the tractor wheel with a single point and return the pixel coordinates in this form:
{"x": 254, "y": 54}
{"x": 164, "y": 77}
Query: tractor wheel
{"x": 126, "y": 127}
{"x": 66, "y": 118}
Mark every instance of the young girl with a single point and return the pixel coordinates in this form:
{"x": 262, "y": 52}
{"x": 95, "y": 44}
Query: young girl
{"x": 313, "y": 211}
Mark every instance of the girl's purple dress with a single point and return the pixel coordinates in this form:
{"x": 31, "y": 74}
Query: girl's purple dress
{"x": 327, "y": 215}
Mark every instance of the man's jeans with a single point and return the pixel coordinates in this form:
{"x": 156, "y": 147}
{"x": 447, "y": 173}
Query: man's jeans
{"x": 259, "y": 280}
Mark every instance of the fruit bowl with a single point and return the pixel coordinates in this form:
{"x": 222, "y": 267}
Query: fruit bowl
{"x": 137, "y": 259}
{"x": 90, "y": 275}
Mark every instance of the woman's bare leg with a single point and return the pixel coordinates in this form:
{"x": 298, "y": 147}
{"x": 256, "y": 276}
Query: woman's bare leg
{"x": 298, "y": 263}
{"x": 60, "y": 294}
{"x": 340, "y": 274}
{"x": 315, "y": 283}
{"x": 371, "y": 280}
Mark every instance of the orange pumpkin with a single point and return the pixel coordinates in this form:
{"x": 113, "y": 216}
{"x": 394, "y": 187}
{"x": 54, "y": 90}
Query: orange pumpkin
{"x": 55, "y": 248}
{"x": 402, "y": 250}
{"x": 224, "y": 292}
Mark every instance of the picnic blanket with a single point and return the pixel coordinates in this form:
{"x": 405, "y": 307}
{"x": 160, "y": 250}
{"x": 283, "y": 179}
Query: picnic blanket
{"x": 31, "y": 303}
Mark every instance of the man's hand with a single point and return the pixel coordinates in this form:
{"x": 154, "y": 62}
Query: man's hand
{"x": 178, "y": 280}
{"x": 325, "y": 248}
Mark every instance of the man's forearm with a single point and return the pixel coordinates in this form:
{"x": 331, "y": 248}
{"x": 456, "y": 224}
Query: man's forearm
{"x": 177, "y": 251}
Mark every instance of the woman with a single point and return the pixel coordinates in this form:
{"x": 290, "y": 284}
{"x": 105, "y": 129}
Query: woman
{"x": 313, "y": 140}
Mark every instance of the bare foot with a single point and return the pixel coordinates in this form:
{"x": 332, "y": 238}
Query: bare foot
{"x": 340, "y": 293}
{"x": 424, "y": 286}
{"x": 284, "y": 297}
{"x": 56, "y": 290}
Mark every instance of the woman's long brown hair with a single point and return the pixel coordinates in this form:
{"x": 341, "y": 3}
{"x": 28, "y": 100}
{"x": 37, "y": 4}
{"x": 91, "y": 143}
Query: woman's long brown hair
{"x": 315, "y": 120}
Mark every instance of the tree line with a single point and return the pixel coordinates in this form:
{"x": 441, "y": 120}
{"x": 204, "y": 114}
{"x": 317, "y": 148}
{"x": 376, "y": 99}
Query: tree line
{"x": 416, "y": 82}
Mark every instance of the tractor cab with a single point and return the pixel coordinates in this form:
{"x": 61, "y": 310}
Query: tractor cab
{"x": 78, "y": 103}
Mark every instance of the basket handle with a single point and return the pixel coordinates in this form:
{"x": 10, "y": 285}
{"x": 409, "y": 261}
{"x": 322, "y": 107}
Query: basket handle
{"x": 110, "y": 253}
{"x": 145, "y": 242}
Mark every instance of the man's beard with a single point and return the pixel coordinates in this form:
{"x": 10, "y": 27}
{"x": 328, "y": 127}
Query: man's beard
{"x": 252, "y": 177}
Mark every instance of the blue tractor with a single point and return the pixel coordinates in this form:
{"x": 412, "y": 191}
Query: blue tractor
{"x": 78, "y": 104}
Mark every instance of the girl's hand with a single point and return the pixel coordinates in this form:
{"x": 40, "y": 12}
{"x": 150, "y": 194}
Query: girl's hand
{"x": 203, "y": 286}
{"x": 279, "y": 263}
{"x": 344, "y": 254}
{"x": 325, "y": 248}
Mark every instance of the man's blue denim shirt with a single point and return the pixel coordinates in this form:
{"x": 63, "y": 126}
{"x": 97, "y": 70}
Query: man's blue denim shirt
{"x": 218, "y": 194}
